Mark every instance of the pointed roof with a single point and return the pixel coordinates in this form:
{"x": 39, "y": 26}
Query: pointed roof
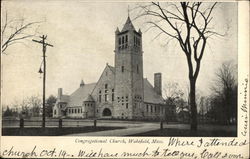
{"x": 89, "y": 98}
{"x": 63, "y": 99}
{"x": 77, "y": 97}
{"x": 128, "y": 25}
{"x": 82, "y": 83}
{"x": 111, "y": 68}
{"x": 150, "y": 96}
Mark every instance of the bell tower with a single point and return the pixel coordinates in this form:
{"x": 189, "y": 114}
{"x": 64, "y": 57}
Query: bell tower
{"x": 128, "y": 71}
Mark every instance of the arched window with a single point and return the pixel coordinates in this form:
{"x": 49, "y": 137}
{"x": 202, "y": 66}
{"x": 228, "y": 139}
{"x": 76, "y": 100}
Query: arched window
{"x": 122, "y": 68}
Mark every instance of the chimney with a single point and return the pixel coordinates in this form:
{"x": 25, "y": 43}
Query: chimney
{"x": 157, "y": 83}
{"x": 59, "y": 93}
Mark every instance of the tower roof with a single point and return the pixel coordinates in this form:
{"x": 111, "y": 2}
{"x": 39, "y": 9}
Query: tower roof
{"x": 128, "y": 25}
{"x": 82, "y": 83}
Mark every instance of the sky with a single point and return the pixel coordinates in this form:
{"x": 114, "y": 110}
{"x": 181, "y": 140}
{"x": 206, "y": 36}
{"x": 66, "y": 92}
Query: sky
{"x": 83, "y": 35}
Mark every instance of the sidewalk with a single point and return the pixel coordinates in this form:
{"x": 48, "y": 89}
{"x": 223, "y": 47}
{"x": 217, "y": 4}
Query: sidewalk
{"x": 131, "y": 129}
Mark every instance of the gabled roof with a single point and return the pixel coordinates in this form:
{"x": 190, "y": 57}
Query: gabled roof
{"x": 111, "y": 68}
{"x": 128, "y": 25}
{"x": 81, "y": 94}
{"x": 150, "y": 96}
{"x": 89, "y": 98}
{"x": 64, "y": 99}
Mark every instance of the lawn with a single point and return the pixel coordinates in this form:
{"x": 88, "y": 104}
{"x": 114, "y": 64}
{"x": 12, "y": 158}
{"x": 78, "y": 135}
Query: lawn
{"x": 53, "y": 131}
{"x": 174, "y": 132}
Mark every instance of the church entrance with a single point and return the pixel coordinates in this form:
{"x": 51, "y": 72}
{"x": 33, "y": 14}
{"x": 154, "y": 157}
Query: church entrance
{"x": 106, "y": 112}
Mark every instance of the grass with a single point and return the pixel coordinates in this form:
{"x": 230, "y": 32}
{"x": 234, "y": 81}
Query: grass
{"x": 53, "y": 131}
{"x": 188, "y": 133}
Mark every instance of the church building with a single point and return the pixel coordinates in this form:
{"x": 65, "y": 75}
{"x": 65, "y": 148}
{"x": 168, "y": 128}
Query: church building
{"x": 121, "y": 91}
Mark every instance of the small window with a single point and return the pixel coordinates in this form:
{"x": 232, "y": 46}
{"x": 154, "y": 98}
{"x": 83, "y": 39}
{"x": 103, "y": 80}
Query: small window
{"x": 106, "y": 86}
{"x": 113, "y": 95}
{"x": 126, "y": 38}
{"x": 55, "y": 112}
{"x": 122, "y": 68}
{"x": 106, "y": 97}
{"x": 97, "y": 110}
{"x": 100, "y": 98}
{"x": 123, "y": 40}
{"x": 127, "y": 105}
{"x": 155, "y": 108}
{"x": 137, "y": 68}
{"x": 120, "y": 41}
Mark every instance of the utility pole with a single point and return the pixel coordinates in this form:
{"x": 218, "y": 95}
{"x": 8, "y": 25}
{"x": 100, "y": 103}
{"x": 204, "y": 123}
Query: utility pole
{"x": 44, "y": 44}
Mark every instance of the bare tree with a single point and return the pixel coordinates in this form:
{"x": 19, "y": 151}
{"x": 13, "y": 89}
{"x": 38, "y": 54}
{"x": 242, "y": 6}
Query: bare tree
{"x": 173, "y": 97}
{"x": 172, "y": 92}
{"x": 225, "y": 91}
{"x": 14, "y": 31}
{"x": 31, "y": 106}
{"x": 188, "y": 24}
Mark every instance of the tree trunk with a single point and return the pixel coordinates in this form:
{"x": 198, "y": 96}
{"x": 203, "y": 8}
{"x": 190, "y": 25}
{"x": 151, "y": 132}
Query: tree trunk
{"x": 193, "y": 104}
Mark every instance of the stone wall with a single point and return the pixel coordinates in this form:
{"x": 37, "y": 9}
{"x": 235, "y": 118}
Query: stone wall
{"x": 107, "y": 78}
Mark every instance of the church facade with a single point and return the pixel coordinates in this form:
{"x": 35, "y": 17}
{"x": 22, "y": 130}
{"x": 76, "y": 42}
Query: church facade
{"x": 121, "y": 91}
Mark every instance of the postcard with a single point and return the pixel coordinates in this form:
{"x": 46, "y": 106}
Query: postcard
{"x": 125, "y": 79}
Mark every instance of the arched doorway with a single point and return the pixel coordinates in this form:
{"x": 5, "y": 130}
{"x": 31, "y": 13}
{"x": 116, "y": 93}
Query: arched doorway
{"x": 106, "y": 112}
